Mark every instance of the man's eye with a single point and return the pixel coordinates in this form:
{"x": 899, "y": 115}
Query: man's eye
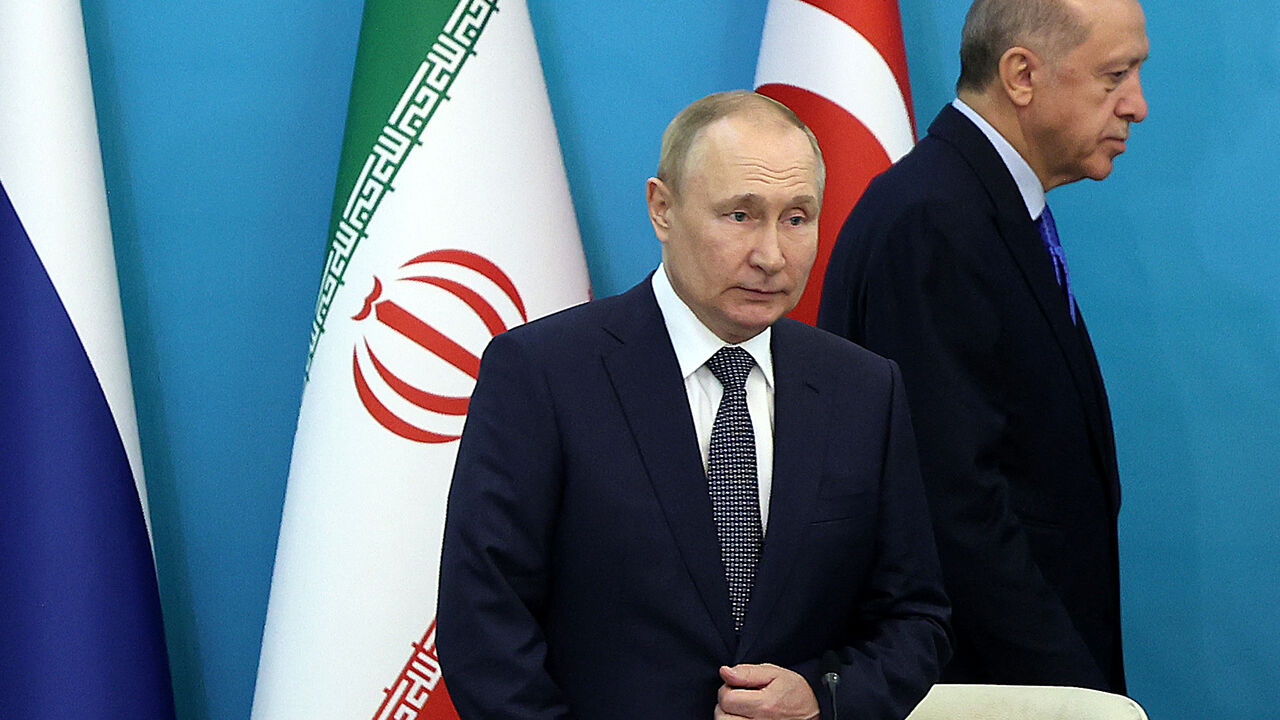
{"x": 797, "y": 220}
{"x": 738, "y": 216}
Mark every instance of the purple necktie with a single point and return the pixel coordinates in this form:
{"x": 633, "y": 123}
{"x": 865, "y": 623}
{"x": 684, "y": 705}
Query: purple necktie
{"x": 1049, "y": 234}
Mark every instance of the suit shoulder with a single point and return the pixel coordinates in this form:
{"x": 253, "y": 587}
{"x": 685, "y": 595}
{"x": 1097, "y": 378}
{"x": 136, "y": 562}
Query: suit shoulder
{"x": 846, "y": 374}
{"x": 930, "y": 202}
{"x": 828, "y": 351}
{"x": 567, "y": 331}
{"x": 933, "y": 174}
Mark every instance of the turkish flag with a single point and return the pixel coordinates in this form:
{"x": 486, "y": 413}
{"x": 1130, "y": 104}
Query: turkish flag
{"x": 841, "y": 66}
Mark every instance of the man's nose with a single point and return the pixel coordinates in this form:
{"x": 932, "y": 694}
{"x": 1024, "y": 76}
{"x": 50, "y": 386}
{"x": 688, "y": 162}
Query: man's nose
{"x": 767, "y": 253}
{"x": 1133, "y": 104}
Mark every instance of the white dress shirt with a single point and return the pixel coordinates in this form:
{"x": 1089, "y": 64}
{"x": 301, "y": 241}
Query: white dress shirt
{"x": 1028, "y": 184}
{"x": 694, "y": 344}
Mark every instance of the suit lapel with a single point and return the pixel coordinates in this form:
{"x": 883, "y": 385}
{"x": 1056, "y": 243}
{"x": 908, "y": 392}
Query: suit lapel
{"x": 646, "y": 378}
{"x": 797, "y": 469}
{"x": 1028, "y": 251}
{"x": 1023, "y": 241}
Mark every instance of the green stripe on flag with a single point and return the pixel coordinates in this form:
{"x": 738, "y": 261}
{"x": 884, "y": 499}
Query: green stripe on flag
{"x": 409, "y": 54}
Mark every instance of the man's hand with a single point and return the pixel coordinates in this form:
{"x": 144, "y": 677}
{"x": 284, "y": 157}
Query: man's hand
{"x": 764, "y": 692}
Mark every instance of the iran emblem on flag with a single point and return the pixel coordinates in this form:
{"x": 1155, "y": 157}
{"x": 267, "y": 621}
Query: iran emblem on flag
{"x": 841, "y": 66}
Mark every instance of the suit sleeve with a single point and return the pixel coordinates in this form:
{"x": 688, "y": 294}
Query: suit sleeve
{"x": 902, "y": 619}
{"x": 924, "y": 301}
{"x": 494, "y": 570}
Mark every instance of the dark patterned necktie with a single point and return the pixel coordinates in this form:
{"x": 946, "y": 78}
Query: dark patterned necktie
{"x": 731, "y": 478}
{"x": 1049, "y": 234}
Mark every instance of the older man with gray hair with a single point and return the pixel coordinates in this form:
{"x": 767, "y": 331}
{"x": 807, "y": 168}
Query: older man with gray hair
{"x": 676, "y": 503}
{"x": 951, "y": 265}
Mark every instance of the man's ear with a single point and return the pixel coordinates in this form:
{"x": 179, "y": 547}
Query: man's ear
{"x": 660, "y": 200}
{"x": 1018, "y": 71}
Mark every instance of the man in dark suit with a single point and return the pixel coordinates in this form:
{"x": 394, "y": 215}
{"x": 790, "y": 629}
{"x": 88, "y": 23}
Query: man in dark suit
{"x": 950, "y": 265}
{"x": 635, "y": 530}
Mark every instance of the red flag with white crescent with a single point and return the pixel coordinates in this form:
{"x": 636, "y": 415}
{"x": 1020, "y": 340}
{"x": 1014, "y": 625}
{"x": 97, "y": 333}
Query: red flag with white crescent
{"x": 842, "y": 67}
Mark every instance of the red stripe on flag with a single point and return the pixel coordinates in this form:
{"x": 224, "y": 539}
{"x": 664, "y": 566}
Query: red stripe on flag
{"x": 492, "y": 320}
{"x": 881, "y": 24}
{"x": 419, "y": 693}
{"x": 480, "y": 265}
{"x": 388, "y": 419}
{"x": 399, "y": 319}
{"x": 423, "y": 399}
{"x": 853, "y": 156}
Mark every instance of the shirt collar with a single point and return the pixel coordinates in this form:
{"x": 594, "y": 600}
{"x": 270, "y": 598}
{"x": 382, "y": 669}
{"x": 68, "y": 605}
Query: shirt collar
{"x": 694, "y": 342}
{"x": 1028, "y": 184}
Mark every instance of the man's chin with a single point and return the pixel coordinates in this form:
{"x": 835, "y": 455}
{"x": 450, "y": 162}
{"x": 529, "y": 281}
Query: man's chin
{"x": 1102, "y": 171}
{"x": 747, "y": 325}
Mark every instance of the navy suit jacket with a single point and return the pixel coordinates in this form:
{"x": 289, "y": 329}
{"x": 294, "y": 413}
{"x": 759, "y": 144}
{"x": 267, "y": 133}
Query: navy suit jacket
{"x": 581, "y": 573}
{"x": 940, "y": 268}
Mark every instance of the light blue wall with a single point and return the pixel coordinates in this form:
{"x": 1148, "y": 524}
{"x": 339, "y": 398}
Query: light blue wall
{"x": 221, "y": 125}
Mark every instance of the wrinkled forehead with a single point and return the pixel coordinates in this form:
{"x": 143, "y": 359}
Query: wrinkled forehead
{"x": 1116, "y": 36}
{"x": 1110, "y": 16}
{"x": 744, "y": 143}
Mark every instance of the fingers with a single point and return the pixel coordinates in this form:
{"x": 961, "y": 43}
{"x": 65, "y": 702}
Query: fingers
{"x": 735, "y": 702}
{"x": 764, "y": 692}
{"x": 749, "y": 676}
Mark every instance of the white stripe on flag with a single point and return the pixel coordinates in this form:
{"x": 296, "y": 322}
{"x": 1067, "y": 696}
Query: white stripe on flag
{"x": 809, "y": 48}
{"x": 52, "y": 169}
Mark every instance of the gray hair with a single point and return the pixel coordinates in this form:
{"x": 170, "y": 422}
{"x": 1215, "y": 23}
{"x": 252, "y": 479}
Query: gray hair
{"x": 681, "y": 134}
{"x": 1048, "y": 27}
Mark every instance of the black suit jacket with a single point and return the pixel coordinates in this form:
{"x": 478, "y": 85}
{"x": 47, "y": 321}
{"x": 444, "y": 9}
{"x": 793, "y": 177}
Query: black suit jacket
{"x": 581, "y": 574}
{"x": 940, "y": 268}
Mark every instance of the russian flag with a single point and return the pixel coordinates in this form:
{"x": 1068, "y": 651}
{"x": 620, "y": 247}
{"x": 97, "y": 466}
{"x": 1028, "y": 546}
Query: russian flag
{"x": 80, "y": 625}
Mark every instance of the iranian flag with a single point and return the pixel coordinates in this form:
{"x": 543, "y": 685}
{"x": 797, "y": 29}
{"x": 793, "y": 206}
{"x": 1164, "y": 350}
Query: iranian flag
{"x": 451, "y": 223}
{"x": 841, "y": 66}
